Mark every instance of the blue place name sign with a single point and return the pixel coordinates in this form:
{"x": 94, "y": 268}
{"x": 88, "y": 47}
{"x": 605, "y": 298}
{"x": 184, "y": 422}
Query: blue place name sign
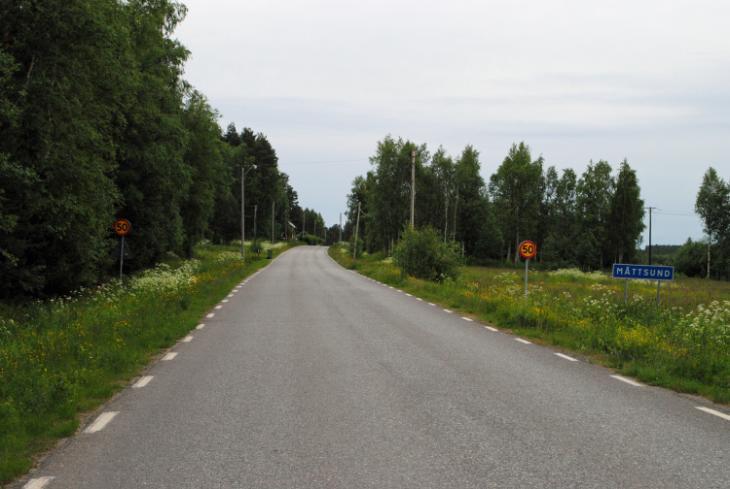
{"x": 642, "y": 272}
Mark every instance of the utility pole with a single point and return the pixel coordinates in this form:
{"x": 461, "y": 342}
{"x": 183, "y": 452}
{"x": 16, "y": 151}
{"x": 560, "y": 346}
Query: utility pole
{"x": 357, "y": 228}
{"x": 243, "y": 212}
{"x": 340, "y": 227}
{"x": 255, "y": 211}
{"x": 650, "y": 219}
{"x": 413, "y": 187}
{"x": 304, "y": 222}
{"x": 273, "y": 215}
{"x": 456, "y": 207}
{"x": 446, "y": 214}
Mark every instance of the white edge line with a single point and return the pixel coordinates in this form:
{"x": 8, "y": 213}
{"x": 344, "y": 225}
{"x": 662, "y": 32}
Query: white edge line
{"x": 467, "y": 319}
{"x": 101, "y": 422}
{"x": 187, "y": 339}
{"x": 627, "y": 381}
{"x": 419, "y": 299}
{"x": 523, "y": 341}
{"x": 38, "y": 483}
{"x": 143, "y": 381}
{"x": 447, "y": 311}
{"x": 491, "y": 328}
{"x": 218, "y": 306}
{"x": 431, "y": 304}
{"x": 409, "y": 295}
{"x": 724, "y": 416}
{"x": 211, "y": 315}
{"x": 169, "y": 356}
{"x": 200, "y": 326}
{"x": 566, "y": 357}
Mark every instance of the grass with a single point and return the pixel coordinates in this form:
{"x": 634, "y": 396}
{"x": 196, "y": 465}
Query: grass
{"x": 66, "y": 356}
{"x": 683, "y": 344}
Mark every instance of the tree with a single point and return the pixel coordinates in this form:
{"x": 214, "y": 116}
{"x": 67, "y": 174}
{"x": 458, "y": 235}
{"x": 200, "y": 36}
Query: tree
{"x": 626, "y": 218}
{"x": 713, "y": 206}
{"x": 515, "y": 190}
{"x": 593, "y": 201}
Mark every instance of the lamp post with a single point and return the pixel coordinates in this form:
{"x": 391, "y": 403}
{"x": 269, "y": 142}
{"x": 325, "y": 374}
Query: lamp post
{"x": 244, "y": 170}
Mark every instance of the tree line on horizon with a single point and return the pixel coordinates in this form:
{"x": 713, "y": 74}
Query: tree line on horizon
{"x": 97, "y": 123}
{"x": 588, "y": 220}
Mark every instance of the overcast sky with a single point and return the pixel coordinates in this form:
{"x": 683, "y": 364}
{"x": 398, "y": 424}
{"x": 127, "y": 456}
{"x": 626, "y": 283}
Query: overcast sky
{"x": 647, "y": 80}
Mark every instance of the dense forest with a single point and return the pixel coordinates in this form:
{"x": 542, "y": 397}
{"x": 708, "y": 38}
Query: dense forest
{"x": 589, "y": 220}
{"x": 97, "y": 123}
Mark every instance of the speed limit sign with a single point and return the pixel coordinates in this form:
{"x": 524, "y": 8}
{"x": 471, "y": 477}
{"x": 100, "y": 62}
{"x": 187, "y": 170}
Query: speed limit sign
{"x": 528, "y": 250}
{"x": 122, "y": 227}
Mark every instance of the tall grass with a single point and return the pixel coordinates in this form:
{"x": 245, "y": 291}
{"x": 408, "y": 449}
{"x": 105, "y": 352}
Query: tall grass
{"x": 61, "y": 357}
{"x": 683, "y": 343}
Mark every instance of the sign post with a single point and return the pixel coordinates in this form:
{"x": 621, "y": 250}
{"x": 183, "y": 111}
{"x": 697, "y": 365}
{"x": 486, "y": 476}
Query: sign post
{"x": 528, "y": 251}
{"x": 122, "y": 227}
{"x": 643, "y": 272}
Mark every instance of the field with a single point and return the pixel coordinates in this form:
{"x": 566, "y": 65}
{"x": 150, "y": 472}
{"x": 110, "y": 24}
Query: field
{"x": 64, "y": 357}
{"x": 683, "y": 344}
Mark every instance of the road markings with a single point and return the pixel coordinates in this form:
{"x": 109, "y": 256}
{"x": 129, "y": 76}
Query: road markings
{"x": 628, "y": 381}
{"x": 419, "y": 299}
{"x": 566, "y": 357}
{"x": 431, "y": 304}
{"x": 523, "y": 341}
{"x": 224, "y": 301}
{"x": 143, "y": 381}
{"x": 200, "y": 326}
{"x": 409, "y": 295}
{"x": 467, "y": 319}
{"x": 218, "y": 306}
{"x": 724, "y": 416}
{"x": 38, "y": 483}
{"x": 230, "y": 296}
{"x": 187, "y": 339}
{"x": 491, "y": 329}
{"x": 447, "y": 311}
{"x": 101, "y": 422}
{"x": 169, "y": 356}
{"x": 211, "y": 315}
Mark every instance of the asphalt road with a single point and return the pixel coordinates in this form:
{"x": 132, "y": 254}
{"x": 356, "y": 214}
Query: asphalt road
{"x": 311, "y": 376}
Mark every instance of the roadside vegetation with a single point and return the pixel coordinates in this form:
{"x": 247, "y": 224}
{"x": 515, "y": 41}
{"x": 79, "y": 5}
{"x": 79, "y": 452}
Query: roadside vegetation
{"x": 682, "y": 344}
{"x": 62, "y": 357}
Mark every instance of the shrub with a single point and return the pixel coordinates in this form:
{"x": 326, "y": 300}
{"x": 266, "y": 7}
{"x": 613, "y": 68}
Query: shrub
{"x": 311, "y": 239}
{"x": 360, "y": 246}
{"x": 256, "y": 246}
{"x": 424, "y": 255}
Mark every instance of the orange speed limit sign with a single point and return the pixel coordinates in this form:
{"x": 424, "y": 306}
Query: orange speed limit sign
{"x": 528, "y": 250}
{"x": 122, "y": 227}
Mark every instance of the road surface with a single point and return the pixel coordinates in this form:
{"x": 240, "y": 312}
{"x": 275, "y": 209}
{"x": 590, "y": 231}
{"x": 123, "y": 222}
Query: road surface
{"x": 311, "y": 376}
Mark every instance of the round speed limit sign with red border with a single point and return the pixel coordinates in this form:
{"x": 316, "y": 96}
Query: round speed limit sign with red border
{"x": 528, "y": 250}
{"x": 122, "y": 227}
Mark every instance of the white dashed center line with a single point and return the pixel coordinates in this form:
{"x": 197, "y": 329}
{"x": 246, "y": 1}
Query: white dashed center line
{"x": 143, "y": 381}
{"x": 101, "y": 422}
{"x": 627, "y": 381}
{"x": 38, "y": 483}
{"x": 169, "y": 356}
{"x": 523, "y": 341}
{"x": 724, "y": 416}
{"x": 467, "y": 319}
{"x": 566, "y": 357}
{"x": 187, "y": 339}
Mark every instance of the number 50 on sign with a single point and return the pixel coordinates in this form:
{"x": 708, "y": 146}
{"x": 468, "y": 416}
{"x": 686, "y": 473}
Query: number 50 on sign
{"x": 528, "y": 251}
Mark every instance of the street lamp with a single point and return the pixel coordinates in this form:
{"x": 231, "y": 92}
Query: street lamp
{"x": 244, "y": 170}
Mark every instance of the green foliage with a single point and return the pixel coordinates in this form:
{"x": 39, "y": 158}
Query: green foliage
{"x": 423, "y": 254}
{"x": 691, "y": 259}
{"x": 96, "y": 122}
{"x": 311, "y": 239}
